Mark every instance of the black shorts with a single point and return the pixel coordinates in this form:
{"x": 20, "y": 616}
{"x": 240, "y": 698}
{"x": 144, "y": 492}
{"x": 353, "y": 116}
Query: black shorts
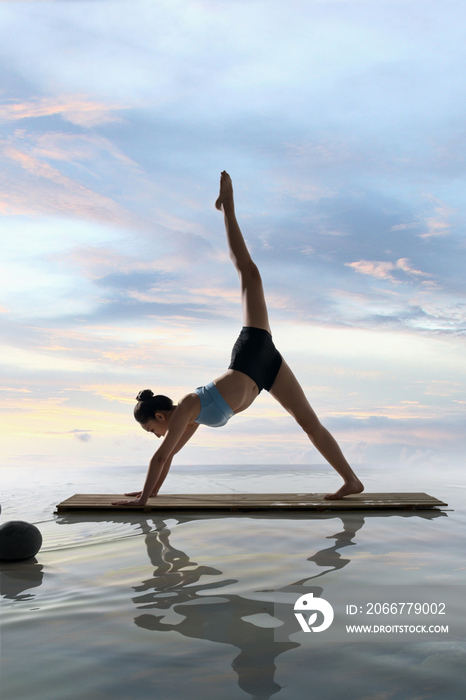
{"x": 255, "y": 354}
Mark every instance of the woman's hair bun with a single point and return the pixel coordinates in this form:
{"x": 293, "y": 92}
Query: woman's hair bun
{"x": 145, "y": 395}
{"x": 149, "y": 404}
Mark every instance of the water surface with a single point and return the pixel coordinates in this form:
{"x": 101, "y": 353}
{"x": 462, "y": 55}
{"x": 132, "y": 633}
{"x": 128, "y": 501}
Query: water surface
{"x": 172, "y": 605}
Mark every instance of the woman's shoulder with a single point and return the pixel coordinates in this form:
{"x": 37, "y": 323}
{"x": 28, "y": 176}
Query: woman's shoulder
{"x": 189, "y": 405}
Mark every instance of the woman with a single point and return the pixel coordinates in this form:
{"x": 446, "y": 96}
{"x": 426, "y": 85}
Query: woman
{"x": 255, "y": 365}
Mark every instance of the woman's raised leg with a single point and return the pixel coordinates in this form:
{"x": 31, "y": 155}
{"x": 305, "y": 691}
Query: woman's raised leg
{"x": 252, "y": 292}
{"x": 289, "y": 393}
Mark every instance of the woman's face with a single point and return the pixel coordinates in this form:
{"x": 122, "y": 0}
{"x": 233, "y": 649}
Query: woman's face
{"x": 158, "y": 425}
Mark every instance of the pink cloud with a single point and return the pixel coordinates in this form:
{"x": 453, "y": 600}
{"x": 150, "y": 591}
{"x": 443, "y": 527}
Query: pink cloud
{"x": 75, "y": 109}
{"x": 382, "y": 270}
{"x": 373, "y": 268}
{"x": 36, "y": 187}
{"x": 403, "y": 264}
{"x": 72, "y": 148}
{"x": 438, "y": 224}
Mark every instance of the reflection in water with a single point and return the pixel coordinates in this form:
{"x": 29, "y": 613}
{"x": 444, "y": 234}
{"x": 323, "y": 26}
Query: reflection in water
{"x": 16, "y": 577}
{"x": 331, "y": 557}
{"x": 175, "y": 599}
{"x": 215, "y": 618}
{"x": 221, "y": 617}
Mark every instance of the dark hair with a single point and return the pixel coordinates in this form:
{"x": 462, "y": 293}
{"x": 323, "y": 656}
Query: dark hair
{"x": 149, "y": 404}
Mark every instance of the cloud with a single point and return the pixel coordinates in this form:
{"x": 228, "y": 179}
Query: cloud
{"x": 81, "y": 435}
{"x": 89, "y": 148}
{"x": 438, "y": 224}
{"x": 382, "y": 270}
{"x": 37, "y": 188}
{"x": 78, "y": 110}
{"x": 404, "y": 264}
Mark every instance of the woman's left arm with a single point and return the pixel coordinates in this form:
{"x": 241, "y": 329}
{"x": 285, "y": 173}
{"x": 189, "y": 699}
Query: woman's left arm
{"x": 179, "y": 432}
{"x": 187, "y": 435}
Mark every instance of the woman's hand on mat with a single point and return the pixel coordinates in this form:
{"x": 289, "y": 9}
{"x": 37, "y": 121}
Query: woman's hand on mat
{"x": 132, "y": 502}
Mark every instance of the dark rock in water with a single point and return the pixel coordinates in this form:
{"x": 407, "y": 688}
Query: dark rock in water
{"x": 19, "y": 540}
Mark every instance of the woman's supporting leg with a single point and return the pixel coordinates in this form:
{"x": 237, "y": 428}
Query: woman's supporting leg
{"x": 289, "y": 393}
{"x": 252, "y": 293}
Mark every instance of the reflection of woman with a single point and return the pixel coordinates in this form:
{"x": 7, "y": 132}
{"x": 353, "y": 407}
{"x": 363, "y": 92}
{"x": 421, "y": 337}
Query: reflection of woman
{"x": 255, "y": 365}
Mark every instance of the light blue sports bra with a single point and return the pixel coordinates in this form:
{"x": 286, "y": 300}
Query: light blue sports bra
{"x": 215, "y": 411}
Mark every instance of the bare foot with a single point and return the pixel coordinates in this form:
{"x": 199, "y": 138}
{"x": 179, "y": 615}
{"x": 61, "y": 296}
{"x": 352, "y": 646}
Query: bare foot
{"x": 354, "y": 486}
{"x": 226, "y": 190}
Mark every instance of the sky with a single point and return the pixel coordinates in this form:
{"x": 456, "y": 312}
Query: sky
{"x": 343, "y": 127}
